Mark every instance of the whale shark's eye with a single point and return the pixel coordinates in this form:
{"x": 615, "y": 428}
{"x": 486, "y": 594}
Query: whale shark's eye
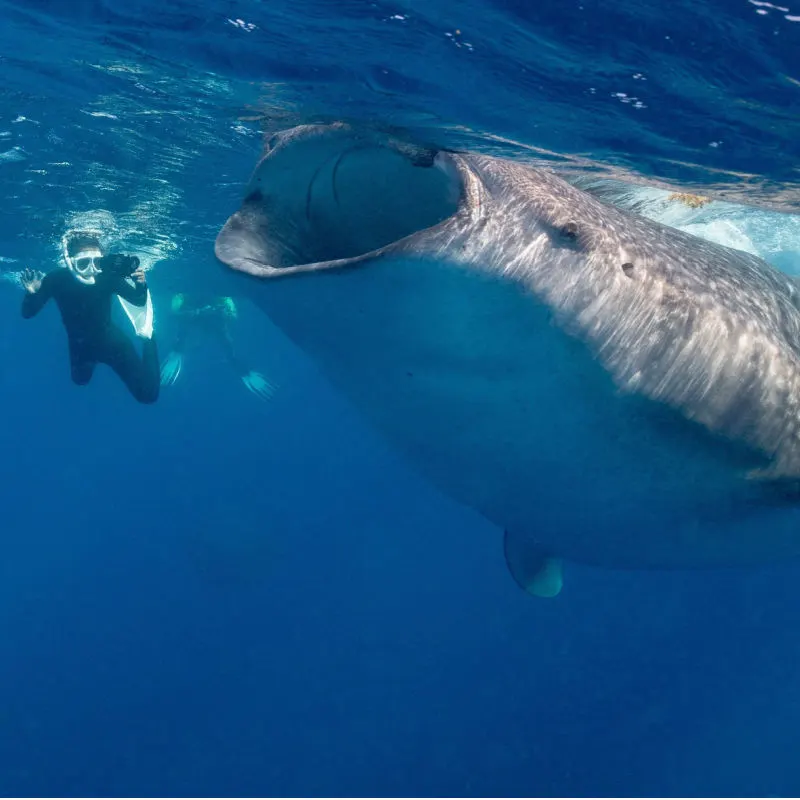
{"x": 570, "y": 230}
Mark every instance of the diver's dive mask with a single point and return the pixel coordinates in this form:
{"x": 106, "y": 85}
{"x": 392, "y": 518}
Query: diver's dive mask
{"x": 84, "y": 265}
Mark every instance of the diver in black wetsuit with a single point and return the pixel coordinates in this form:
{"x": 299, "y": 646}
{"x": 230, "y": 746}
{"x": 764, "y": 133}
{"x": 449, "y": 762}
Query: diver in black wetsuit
{"x": 214, "y": 317}
{"x": 83, "y": 294}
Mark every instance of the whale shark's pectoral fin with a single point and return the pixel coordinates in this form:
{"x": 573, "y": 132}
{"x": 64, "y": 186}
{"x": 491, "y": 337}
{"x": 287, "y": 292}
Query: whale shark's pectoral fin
{"x": 536, "y": 571}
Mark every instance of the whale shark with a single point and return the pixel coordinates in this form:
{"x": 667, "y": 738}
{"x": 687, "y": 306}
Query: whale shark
{"x": 603, "y": 388}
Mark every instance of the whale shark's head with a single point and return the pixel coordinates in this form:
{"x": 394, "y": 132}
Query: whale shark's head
{"x": 326, "y": 196}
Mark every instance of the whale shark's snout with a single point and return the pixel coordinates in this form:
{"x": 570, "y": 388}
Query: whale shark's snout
{"x": 328, "y": 197}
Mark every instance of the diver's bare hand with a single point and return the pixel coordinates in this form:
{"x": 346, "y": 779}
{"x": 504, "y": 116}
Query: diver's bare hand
{"x": 31, "y": 280}
{"x": 139, "y": 276}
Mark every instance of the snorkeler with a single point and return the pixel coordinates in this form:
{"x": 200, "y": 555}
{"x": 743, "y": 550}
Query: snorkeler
{"x": 83, "y": 293}
{"x": 214, "y": 318}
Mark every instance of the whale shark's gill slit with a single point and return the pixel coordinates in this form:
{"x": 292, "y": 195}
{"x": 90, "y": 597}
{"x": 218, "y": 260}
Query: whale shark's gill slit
{"x": 334, "y": 172}
{"x": 310, "y": 191}
{"x": 337, "y": 159}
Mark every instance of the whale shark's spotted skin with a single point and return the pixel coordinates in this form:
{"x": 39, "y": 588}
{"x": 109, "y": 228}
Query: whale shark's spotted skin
{"x": 604, "y": 388}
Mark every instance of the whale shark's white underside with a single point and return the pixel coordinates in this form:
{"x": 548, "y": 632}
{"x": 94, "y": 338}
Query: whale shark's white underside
{"x": 604, "y": 388}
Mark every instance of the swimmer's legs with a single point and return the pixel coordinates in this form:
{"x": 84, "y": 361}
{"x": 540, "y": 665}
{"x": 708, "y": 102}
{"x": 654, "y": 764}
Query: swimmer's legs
{"x": 253, "y": 381}
{"x": 81, "y": 366}
{"x": 140, "y": 375}
{"x": 173, "y": 363}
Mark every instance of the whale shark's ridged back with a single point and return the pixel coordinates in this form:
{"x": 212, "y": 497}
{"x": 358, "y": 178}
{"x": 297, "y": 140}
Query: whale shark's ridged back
{"x": 711, "y": 331}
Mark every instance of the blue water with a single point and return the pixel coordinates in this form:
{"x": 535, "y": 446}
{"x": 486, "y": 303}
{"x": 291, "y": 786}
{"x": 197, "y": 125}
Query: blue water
{"x": 216, "y": 596}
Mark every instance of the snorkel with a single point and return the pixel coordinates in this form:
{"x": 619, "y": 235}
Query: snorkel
{"x": 81, "y": 251}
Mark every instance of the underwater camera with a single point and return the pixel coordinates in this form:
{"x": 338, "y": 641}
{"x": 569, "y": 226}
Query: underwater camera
{"x": 118, "y": 264}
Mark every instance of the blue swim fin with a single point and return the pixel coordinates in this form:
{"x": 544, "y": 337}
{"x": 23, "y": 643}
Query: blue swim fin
{"x": 171, "y": 368}
{"x": 256, "y": 383}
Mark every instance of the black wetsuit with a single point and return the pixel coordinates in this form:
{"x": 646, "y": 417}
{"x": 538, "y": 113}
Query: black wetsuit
{"x": 213, "y": 320}
{"x": 93, "y": 337}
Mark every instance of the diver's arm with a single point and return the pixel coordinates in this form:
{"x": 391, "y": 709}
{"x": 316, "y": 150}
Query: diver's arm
{"x": 36, "y": 296}
{"x": 136, "y": 294}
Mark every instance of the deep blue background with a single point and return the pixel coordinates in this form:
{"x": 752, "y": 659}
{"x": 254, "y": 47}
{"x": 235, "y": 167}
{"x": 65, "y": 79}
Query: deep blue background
{"x": 215, "y": 596}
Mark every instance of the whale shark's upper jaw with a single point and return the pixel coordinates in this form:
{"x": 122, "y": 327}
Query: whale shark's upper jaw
{"x": 327, "y": 197}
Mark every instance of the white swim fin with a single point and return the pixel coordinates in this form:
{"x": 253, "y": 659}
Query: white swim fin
{"x": 141, "y": 317}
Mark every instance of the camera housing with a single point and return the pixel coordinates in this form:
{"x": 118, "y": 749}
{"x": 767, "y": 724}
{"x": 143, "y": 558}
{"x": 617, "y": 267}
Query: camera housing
{"x": 118, "y": 264}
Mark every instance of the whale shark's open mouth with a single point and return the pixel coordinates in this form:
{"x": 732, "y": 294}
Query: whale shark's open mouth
{"x": 322, "y": 199}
